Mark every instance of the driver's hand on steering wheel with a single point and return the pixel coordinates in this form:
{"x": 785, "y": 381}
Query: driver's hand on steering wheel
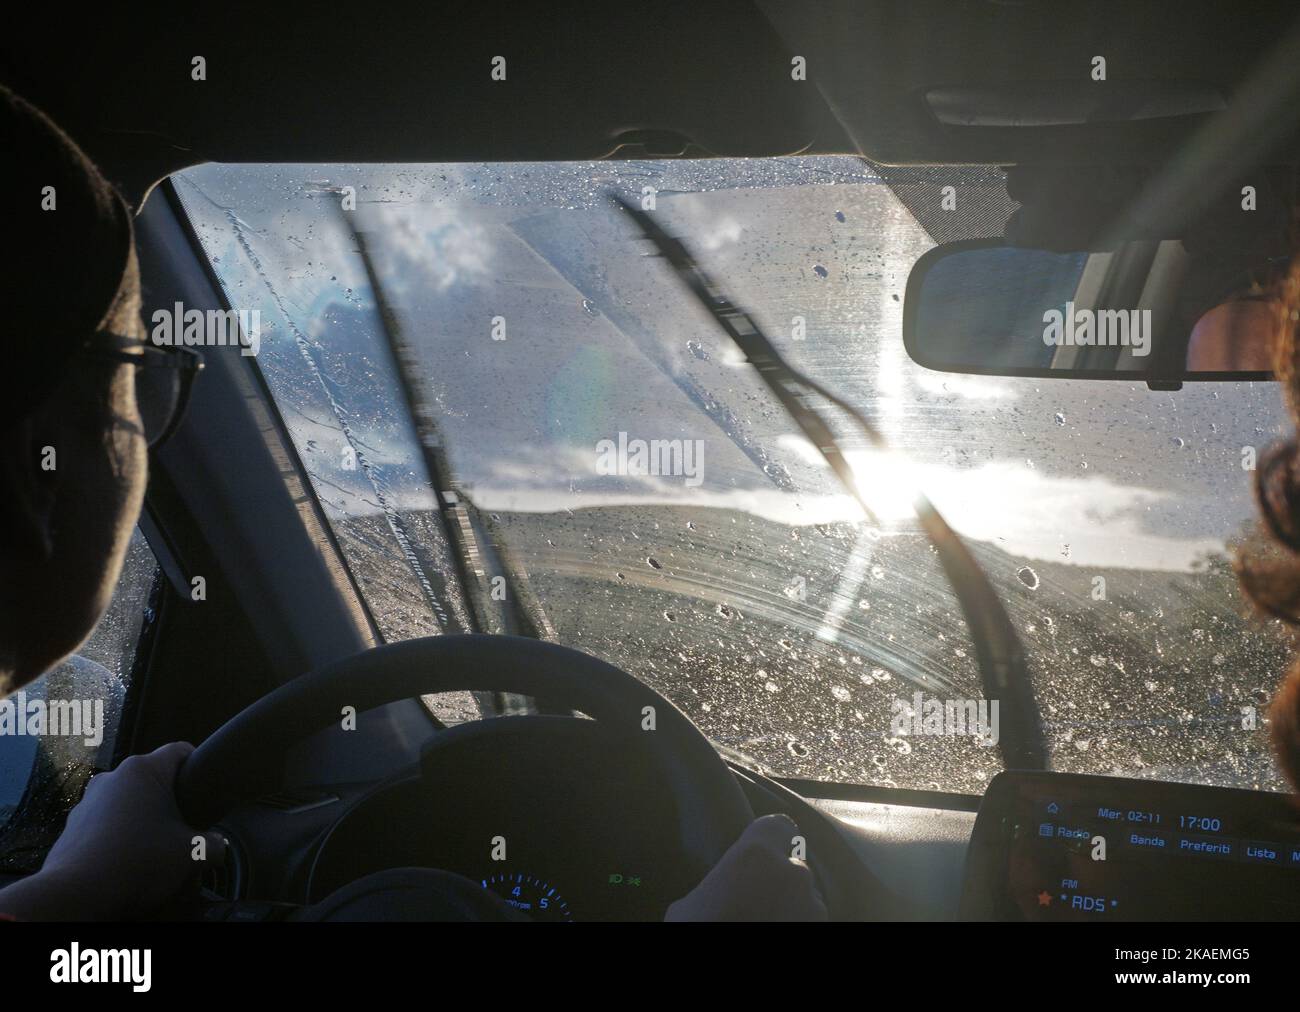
{"x": 125, "y": 851}
{"x": 756, "y": 880}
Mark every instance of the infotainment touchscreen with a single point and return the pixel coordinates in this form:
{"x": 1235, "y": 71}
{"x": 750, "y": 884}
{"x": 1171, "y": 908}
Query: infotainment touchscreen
{"x": 1051, "y": 847}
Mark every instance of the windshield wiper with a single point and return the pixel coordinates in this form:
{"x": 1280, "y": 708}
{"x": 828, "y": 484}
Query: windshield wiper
{"x": 998, "y": 651}
{"x": 477, "y": 556}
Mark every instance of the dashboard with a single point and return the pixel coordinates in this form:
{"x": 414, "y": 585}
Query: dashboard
{"x": 603, "y": 845}
{"x": 1064, "y": 847}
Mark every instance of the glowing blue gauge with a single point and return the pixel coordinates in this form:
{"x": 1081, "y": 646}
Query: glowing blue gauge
{"x": 534, "y": 896}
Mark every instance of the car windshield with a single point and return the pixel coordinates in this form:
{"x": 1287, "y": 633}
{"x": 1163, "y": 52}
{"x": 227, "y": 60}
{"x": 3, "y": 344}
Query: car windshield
{"x": 625, "y": 484}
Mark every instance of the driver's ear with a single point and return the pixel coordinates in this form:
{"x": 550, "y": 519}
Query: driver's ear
{"x": 27, "y": 497}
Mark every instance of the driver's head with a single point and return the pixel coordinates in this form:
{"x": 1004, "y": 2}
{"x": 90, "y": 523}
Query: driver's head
{"x": 72, "y": 451}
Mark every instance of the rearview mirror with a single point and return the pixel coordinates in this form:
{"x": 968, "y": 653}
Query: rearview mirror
{"x": 1142, "y": 311}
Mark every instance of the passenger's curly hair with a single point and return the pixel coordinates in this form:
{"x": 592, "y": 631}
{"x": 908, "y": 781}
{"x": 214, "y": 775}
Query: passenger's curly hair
{"x": 1269, "y": 572}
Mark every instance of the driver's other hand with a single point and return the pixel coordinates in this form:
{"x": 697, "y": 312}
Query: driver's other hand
{"x": 756, "y": 880}
{"x": 125, "y": 851}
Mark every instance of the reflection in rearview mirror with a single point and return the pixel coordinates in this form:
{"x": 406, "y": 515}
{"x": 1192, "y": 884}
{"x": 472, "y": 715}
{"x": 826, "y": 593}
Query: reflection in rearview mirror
{"x": 1137, "y": 312}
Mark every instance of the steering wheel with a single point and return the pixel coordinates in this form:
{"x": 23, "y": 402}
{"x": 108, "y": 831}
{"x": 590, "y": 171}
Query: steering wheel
{"x": 245, "y": 755}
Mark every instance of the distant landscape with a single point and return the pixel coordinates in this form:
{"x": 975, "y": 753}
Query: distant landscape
{"x": 1150, "y": 682}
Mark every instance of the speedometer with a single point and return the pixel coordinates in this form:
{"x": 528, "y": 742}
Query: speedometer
{"x": 534, "y": 896}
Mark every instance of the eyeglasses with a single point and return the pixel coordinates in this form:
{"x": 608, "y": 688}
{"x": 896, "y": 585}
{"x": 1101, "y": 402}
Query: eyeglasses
{"x": 163, "y": 379}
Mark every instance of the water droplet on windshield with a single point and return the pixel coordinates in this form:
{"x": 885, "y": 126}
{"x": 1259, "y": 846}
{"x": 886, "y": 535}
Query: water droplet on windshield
{"x": 840, "y": 693}
{"x": 839, "y": 216}
{"x": 697, "y": 349}
{"x": 820, "y": 271}
{"x": 653, "y": 563}
{"x": 797, "y": 749}
{"x": 1060, "y": 418}
{"x": 1028, "y": 577}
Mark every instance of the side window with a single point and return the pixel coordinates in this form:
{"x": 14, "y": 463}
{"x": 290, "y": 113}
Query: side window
{"x": 56, "y": 730}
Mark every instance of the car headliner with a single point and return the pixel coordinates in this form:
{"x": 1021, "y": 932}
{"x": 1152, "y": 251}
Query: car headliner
{"x": 712, "y": 79}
